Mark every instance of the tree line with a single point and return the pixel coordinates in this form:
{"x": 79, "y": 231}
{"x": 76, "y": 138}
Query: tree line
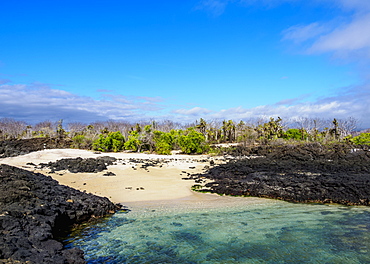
{"x": 165, "y": 136}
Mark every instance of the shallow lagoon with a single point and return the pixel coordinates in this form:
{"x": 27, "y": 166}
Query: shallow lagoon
{"x": 261, "y": 232}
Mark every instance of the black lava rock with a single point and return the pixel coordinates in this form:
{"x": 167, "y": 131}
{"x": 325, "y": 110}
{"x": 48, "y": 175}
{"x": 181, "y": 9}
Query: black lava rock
{"x": 16, "y": 147}
{"x": 303, "y": 173}
{"x": 35, "y": 210}
{"x": 76, "y": 165}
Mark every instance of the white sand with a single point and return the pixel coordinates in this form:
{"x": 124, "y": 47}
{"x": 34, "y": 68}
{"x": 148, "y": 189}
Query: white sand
{"x": 158, "y": 185}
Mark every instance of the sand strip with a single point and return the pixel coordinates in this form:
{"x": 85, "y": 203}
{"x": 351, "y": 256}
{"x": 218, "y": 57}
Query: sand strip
{"x": 132, "y": 183}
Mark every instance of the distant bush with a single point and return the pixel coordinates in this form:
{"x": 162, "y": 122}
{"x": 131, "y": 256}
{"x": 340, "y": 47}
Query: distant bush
{"x": 362, "y": 139}
{"x": 133, "y": 142}
{"x": 78, "y": 141}
{"x": 113, "y": 141}
{"x": 192, "y": 142}
{"x": 164, "y": 142}
{"x": 295, "y": 133}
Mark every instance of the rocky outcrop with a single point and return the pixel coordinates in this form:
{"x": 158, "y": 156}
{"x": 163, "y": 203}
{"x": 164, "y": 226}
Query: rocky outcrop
{"x": 35, "y": 210}
{"x": 76, "y": 165}
{"x": 16, "y": 147}
{"x": 298, "y": 174}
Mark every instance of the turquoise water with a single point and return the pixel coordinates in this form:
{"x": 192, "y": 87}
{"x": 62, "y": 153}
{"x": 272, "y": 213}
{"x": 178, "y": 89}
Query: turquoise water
{"x": 276, "y": 232}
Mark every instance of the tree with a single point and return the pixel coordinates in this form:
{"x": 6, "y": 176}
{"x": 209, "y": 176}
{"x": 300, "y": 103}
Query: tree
{"x": 146, "y": 138}
{"x": 347, "y": 126}
{"x": 201, "y": 126}
{"x": 295, "y": 133}
{"x": 113, "y": 141}
{"x": 164, "y": 142}
{"x": 79, "y": 141}
{"x": 44, "y": 129}
{"x": 335, "y": 130}
{"x": 228, "y": 130}
{"x": 271, "y": 130}
{"x": 133, "y": 142}
{"x": 60, "y": 130}
{"x": 192, "y": 142}
{"x": 76, "y": 128}
{"x": 12, "y": 129}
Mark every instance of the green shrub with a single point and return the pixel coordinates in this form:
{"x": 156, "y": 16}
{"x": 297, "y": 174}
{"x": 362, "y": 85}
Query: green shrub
{"x": 294, "y": 133}
{"x": 78, "y": 141}
{"x": 192, "y": 142}
{"x": 113, "y": 141}
{"x": 164, "y": 142}
{"x": 133, "y": 142}
{"x": 362, "y": 139}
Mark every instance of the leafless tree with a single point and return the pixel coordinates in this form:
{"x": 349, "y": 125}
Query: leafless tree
{"x": 76, "y": 128}
{"x": 167, "y": 125}
{"x": 11, "y": 128}
{"x": 347, "y": 126}
{"x": 312, "y": 125}
{"x": 45, "y": 129}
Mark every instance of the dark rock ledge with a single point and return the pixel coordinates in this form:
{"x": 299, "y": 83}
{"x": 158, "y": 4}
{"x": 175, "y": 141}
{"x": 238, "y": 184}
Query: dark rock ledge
{"x": 76, "y": 165}
{"x": 308, "y": 174}
{"x": 16, "y": 147}
{"x": 35, "y": 210}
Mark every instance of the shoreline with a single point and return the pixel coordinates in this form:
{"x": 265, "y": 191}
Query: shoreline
{"x": 134, "y": 180}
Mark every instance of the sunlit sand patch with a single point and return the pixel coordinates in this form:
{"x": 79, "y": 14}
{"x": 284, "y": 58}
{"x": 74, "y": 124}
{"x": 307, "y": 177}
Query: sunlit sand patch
{"x": 132, "y": 182}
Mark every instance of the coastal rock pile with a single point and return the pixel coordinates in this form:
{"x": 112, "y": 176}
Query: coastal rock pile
{"x": 76, "y": 165}
{"x": 297, "y": 174}
{"x": 16, "y": 147}
{"x": 35, "y": 210}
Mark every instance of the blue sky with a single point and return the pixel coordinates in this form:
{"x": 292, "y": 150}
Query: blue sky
{"x": 183, "y": 60}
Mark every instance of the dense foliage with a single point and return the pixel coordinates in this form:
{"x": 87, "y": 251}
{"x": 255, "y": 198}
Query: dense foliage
{"x": 362, "y": 139}
{"x": 113, "y": 141}
{"x": 192, "y": 142}
{"x": 166, "y": 136}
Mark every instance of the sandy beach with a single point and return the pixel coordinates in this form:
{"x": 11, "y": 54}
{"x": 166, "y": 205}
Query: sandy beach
{"x": 134, "y": 185}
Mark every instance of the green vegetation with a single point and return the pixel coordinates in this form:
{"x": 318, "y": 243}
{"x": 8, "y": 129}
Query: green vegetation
{"x": 295, "y": 134}
{"x": 133, "y": 142}
{"x": 362, "y": 139}
{"x": 164, "y": 142}
{"x": 196, "y": 138}
{"x": 192, "y": 142}
{"x": 199, "y": 188}
{"x": 78, "y": 141}
{"x": 113, "y": 141}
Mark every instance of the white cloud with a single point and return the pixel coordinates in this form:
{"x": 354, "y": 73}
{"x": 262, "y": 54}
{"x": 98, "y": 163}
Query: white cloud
{"x": 351, "y": 102}
{"x": 353, "y": 36}
{"x": 301, "y": 33}
{"x": 215, "y": 7}
{"x": 346, "y": 36}
{"x": 39, "y": 102}
{"x": 194, "y": 112}
{"x": 53, "y": 104}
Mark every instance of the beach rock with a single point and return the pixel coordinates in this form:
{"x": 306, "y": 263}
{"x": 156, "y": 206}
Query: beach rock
{"x": 35, "y": 210}
{"x": 76, "y": 165}
{"x": 16, "y": 147}
{"x": 311, "y": 173}
{"x": 109, "y": 173}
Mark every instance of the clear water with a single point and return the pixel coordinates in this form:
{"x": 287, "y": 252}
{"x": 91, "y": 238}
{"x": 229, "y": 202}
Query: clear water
{"x": 277, "y": 232}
